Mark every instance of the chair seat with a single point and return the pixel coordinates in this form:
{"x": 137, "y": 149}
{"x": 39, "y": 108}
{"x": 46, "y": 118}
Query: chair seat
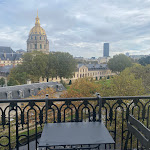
{"x": 75, "y": 133}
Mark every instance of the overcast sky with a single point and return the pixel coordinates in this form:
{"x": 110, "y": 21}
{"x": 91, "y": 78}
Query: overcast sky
{"x": 79, "y": 27}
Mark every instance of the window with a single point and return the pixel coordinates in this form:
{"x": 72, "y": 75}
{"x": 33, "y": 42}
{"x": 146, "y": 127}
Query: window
{"x": 40, "y": 37}
{"x": 35, "y": 37}
{"x": 30, "y": 45}
{"x": 35, "y": 46}
{"x": 40, "y": 46}
{"x": 44, "y": 46}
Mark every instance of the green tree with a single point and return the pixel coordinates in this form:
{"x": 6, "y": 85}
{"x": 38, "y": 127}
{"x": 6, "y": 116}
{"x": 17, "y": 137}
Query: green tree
{"x": 141, "y": 72}
{"x": 124, "y": 84}
{"x": 34, "y": 64}
{"x": 12, "y": 82}
{"x": 119, "y": 62}
{"x": 81, "y": 88}
{"x": 144, "y": 60}
{"x": 2, "y": 82}
{"x": 65, "y": 64}
{"x": 38, "y": 64}
{"x": 19, "y": 75}
{"x": 50, "y": 70}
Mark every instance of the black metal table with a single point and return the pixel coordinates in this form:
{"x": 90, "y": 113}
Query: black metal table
{"x": 75, "y": 133}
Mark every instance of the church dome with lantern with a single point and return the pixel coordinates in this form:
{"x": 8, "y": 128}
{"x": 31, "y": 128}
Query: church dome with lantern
{"x": 37, "y": 40}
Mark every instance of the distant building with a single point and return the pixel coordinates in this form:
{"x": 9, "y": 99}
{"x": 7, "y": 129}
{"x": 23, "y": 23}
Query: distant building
{"x": 137, "y": 57}
{"x": 106, "y": 50}
{"x": 37, "y": 40}
{"x": 20, "y": 51}
{"x": 103, "y": 60}
{"x": 86, "y": 70}
{"x": 9, "y": 57}
{"x": 127, "y": 54}
{"x": 92, "y": 71}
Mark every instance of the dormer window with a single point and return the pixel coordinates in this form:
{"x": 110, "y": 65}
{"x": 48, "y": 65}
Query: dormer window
{"x": 31, "y": 91}
{"x": 40, "y": 88}
{"x": 9, "y": 95}
{"x": 59, "y": 87}
{"x": 50, "y": 86}
{"x": 21, "y": 94}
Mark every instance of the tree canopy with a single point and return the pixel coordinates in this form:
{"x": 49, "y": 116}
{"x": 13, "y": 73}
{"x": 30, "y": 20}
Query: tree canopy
{"x": 125, "y": 84}
{"x": 2, "y": 82}
{"x": 81, "y": 88}
{"x": 38, "y": 64}
{"x": 119, "y": 62}
{"x": 65, "y": 64}
{"x": 141, "y": 72}
{"x": 144, "y": 60}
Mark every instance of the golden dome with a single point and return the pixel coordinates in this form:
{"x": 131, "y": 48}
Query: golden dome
{"x": 37, "y": 29}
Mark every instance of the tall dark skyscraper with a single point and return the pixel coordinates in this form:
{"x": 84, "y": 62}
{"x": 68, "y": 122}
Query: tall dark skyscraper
{"x": 106, "y": 50}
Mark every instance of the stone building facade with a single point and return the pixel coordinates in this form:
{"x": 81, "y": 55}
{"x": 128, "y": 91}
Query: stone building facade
{"x": 92, "y": 71}
{"x": 37, "y": 40}
{"x": 85, "y": 71}
{"x": 9, "y": 57}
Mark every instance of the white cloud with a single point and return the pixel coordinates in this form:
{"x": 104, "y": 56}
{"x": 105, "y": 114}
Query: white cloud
{"x": 81, "y": 26}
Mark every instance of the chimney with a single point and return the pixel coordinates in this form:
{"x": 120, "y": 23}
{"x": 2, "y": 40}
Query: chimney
{"x": 28, "y": 81}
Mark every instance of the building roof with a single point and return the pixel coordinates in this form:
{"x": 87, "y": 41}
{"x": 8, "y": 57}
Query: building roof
{"x": 27, "y": 90}
{"x": 93, "y": 66}
{"x": 5, "y": 49}
{"x": 6, "y": 69}
{"x": 10, "y": 56}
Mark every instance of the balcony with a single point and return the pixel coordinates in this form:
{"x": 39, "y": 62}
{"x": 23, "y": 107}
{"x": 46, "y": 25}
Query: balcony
{"x": 22, "y": 120}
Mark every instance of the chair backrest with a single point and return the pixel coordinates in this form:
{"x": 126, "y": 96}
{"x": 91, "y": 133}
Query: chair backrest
{"x": 141, "y": 132}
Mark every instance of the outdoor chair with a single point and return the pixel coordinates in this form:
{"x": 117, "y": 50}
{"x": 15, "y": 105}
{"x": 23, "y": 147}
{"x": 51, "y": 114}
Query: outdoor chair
{"x": 139, "y": 130}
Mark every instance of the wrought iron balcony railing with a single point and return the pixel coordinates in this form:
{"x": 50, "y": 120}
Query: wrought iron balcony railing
{"x": 22, "y": 120}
